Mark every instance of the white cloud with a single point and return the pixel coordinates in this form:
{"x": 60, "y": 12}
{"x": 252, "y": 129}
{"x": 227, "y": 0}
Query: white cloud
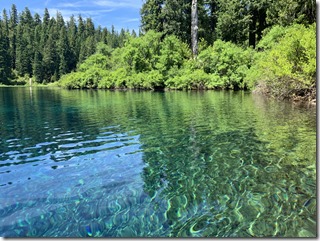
{"x": 130, "y": 20}
{"x": 78, "y": 4}
{"x": 67, "y": 13}
{"x": 103, "y": 3}
{"x": 47, "y": 2}
{"x": 118, "y": 4}
{"x": 124, "y": 13}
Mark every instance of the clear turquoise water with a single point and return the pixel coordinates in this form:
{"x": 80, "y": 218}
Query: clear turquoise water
{"x": 151, "y": 164}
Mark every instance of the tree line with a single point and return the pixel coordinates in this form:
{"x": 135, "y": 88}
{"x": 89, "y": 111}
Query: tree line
{"x": 267, "y": 46}
{"x": 45, "y": 48}
{"x": 240, "y": 22}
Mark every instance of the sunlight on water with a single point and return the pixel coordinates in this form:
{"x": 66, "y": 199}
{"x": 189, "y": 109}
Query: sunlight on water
{"x": 144, "y": 164}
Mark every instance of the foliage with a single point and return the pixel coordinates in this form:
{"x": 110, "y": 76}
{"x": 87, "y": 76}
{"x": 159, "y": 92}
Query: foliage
{"x": 226, "y": 62}
{"x": 5, "y": 71}
{"x": 281, "y": 57}
{"x": 151, "y": 16}
{"x": 143, "y": 62}
{"x": 287, "y": 12}
{"x": 241, "y": 22}
{"x": 47, "y": 48}
{"x": 284, "y": 63}
{"x": 288, "y": 68}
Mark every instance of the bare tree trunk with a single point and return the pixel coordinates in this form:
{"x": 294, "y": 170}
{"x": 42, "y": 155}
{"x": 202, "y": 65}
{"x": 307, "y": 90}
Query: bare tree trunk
{"x": 194, "y": 28}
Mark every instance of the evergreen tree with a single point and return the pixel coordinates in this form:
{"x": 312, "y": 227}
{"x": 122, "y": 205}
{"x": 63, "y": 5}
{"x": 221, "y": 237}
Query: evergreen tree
{"x": 286, "y": 12}
{"x": 50, "y": 47}
{"x": 26, "y": 18}
{"x": 104, "y": 35}
{"x": 233, "y": 21}
{"x": 37, "y": 20}
{"x": 122, "y": 37}
{"x": 5, "y": 23}
{"x": 5, "y": 70}
{"x": 152, "y": 15}
{"x": 46, "y": 20}
{"x": 23, "y": 57}
{"x": 89, "y": 28}
{"x": 49, "y": 59}
{"x": 5, "y": 27}
{"x": 133, "y": 33}
{"x": 63, "y": 49}
{"x": 80, "y": 39}
{"x": 13, "y": 22}
{"x": 25, "y": 46}
{"x": 112, "y": 38}
{"x": 207, "y": 13}
{"x": 177, "y": 19}
{"x": 72, "y": 38}
{"x": 87, "y": 48}
{"x": 98, "y": 34}
{"x": 37, "y": 67}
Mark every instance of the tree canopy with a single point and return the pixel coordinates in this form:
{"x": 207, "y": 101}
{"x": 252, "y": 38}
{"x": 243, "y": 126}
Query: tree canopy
{"x": 47, "y": 48}
{"x": 266, "y": 45}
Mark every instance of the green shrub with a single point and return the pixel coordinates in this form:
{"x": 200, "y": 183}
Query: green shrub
{"x": 143, "y": 62}
{"x": 285, "y": 63}
{"x": 227, "y": 61}
{"x": 287, "y": 68}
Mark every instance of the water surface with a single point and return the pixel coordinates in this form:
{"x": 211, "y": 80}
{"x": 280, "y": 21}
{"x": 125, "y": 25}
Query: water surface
{"x": 155, "y": 164}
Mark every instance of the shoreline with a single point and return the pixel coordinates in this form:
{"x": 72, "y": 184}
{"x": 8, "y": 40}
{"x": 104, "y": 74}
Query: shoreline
{"x": 298, "y": 100}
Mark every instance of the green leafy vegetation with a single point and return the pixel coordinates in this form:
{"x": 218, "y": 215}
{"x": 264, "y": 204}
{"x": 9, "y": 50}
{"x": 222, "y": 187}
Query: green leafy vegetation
{"x": 44, "y": 49}
{"x": 287, "y": 66}
{"x": 266, "y": 46}
{"x": 283, "y": 65}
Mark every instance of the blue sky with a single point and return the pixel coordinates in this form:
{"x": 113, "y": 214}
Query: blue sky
{"x": 120, "y": 13}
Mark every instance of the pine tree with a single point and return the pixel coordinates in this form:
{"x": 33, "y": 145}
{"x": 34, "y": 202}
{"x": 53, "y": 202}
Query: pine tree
{"x": 37, "y": 67}
{"x": 63, "y": 50}
{"x": 72, "y": 38}
{"x": 59, "y": 22}
{"x": 46, "y": 17}
{"x": 104, "y": 35}
{"x": 89, "y": 28}
{"x": 133, "y": 33}
{"x": 286, "y": 12}
{"x": 177, "y": 19}
{"x": 13, "y": 22}
{"x": 49, "y": 59}
{"x": 5, "y": 70}
{"x": 152, "y": 16}
{"x": 37, "y": 20}
{"x": 233, "y": 21}
{"x": 98, "y": 34}
{"x": 80, "y": 39}
{"x": 122, "y": 37}
{"x": 5, "y": 23}
{"x": 23, "y": 61}
{"x": 112, "y": 38}
{"x": 87, "y": 48}
{"x": 25, "y": 43}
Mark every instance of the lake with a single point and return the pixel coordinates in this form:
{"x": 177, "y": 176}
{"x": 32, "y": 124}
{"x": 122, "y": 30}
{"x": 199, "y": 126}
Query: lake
{"x": 86, "y": 163}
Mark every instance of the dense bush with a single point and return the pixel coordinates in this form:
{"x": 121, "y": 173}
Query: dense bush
{"x": 227, "y": 62}
{"x": 284, "y": 63}
{"x": 143, "y": 62}
{"x": 287, "y": 65}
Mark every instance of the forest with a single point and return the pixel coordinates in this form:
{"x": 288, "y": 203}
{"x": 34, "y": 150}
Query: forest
{"x": 266, "y": 46}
